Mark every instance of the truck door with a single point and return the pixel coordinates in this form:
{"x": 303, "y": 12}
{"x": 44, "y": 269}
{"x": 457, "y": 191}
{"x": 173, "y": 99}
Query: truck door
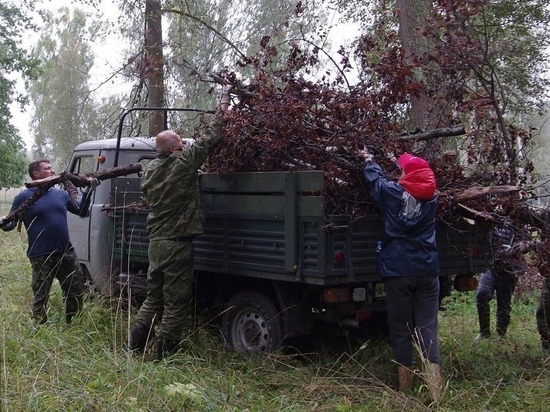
{"x": 81, "y": 163}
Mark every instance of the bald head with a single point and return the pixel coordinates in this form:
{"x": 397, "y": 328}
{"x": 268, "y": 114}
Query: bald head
{"x": 167, "y": 142}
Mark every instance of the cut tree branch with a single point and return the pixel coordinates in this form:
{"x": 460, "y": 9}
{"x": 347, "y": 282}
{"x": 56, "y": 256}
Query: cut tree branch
{"x": 433, "y": 134}
{"x": 477, "y": 192}
{"x": 67, "y": 178}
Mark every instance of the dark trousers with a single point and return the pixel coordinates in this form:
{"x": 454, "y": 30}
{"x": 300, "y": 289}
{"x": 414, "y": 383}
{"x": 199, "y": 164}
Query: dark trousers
{"x": 543, "y": 314}
{"x": 413, "y": 304}
{"x": 504, "y": 285}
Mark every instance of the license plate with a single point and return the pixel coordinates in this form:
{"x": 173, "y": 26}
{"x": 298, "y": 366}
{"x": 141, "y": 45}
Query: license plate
{"x": 379, "y": 290}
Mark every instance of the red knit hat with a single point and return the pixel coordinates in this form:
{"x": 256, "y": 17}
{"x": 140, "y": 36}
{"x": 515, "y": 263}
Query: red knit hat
{"x": 410, "y": 163}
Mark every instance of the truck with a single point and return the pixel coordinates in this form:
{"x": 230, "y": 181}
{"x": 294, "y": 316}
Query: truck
{"x": 271, "y": 263}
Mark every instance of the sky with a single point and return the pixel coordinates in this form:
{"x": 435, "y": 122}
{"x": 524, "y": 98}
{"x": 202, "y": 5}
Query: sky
{"x": 108, "y": 57}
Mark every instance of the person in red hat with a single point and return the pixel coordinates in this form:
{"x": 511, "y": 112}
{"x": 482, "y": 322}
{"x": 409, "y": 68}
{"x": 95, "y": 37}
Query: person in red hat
{"x": 409, "y": 263}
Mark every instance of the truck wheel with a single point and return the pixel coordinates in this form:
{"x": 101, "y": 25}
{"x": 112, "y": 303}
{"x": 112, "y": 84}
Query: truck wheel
{"x": 252, "y": 323}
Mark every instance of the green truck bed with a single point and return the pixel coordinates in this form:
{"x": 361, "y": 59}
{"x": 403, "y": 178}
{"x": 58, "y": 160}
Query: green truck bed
{"x": 272, "y": 225}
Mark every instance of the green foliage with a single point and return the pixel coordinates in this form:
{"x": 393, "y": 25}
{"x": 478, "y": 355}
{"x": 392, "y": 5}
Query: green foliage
{"x": 13, "y": 60}
{"x": 84, "y": 366}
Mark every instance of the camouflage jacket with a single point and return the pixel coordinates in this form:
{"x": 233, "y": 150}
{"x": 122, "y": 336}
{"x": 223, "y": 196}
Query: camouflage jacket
{"x": 171, "y": 186}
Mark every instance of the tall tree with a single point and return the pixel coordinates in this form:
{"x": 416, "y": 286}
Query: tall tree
{"x": 14, "y": 59}
{"x": 425, "y": 107}
{"x": 65, "y": 109}
{"x": 494, "y": 56}
{"x": 202, "y": 37}
{"x": 155, "y": 57}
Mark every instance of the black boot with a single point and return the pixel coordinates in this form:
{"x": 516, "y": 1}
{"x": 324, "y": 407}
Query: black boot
{"x": 166, "y": 347}
{"x": 138, "y": 338}
{"x": 501, "y": 329}
{"x": 484, "y": 316}
{"x": 72, "y": 307}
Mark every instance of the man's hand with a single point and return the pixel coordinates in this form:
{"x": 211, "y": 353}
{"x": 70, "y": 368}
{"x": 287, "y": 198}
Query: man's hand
{"x": 522, "y": 247}
{"x": 364, "y": 153}
{"x": 94, "y": 182}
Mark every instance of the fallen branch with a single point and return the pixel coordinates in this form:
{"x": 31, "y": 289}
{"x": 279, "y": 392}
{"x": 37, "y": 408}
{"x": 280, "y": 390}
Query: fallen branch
{"x": 84, "y": 181}
{"x": 476, "y": 215}
{"x": 433, "y": 134}
{"x": 477, "y": 192}
{"x": 67, "y": 179}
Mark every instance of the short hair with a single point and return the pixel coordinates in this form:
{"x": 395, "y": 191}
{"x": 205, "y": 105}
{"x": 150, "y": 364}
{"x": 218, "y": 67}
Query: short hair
{"x": 34, "y": 166}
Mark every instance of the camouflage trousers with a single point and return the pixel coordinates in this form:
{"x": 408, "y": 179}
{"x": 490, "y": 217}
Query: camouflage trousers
{"x": 64, "y": 267}
{"x": 170, "y": 281}
{"x": 543, "y": 314}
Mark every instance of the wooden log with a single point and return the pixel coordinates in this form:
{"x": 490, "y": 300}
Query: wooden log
{"x": 477, "y": 192}
{"x": 433, "y": 134}
{"x": 83, "y": 181}
{"x": 476, "y": 215}
{"x": 67, "y": 179}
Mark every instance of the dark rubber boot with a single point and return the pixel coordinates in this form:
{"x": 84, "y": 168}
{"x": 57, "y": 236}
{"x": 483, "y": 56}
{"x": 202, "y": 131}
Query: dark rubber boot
{"x": 166, "y": 347}
{"x": 138, "y": 338}
{"x": 484, "y": 322}
{"x": 501, "y": 329}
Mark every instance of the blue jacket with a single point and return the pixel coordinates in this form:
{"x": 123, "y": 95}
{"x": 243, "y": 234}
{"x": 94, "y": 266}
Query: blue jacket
{"x": 46, "y": 220}
{"x": 409, "y": 246}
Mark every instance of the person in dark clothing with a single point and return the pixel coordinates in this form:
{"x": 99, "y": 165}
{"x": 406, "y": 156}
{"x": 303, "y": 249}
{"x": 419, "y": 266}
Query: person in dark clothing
{"x": 507, "y": 264}
{"x": 409, "y": 263}
{"x": 171, "y": 186}
{"x": 543, "y": 315}
{"x": 49, "y": 247}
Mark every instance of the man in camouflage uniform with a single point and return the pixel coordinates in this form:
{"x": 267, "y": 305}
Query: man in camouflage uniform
{"x": 49, "y": 248}
{"x": 170, "y": 184}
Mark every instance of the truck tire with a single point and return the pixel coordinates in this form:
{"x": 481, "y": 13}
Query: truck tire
{"x": 252, "y": 323}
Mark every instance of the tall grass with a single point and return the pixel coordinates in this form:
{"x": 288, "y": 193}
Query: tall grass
{"x": 84, "y": 367}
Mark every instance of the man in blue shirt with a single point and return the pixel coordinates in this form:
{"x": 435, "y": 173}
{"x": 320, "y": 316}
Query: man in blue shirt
{"x": 49, "y": 248}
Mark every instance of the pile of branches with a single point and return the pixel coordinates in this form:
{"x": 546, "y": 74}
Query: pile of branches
{"x": 281, "y": 121}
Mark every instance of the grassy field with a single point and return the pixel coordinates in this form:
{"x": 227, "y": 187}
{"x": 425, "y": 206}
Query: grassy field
{"x": 83, "y": 367}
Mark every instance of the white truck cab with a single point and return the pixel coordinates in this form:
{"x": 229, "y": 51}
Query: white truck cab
{"x": 90, "y": 235}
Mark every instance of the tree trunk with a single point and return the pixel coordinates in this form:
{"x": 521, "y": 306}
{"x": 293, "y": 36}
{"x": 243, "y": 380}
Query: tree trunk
{"x": 429, "y": 106}
{"x": 412, "y": 17}
{"x": 155, "y": 57}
